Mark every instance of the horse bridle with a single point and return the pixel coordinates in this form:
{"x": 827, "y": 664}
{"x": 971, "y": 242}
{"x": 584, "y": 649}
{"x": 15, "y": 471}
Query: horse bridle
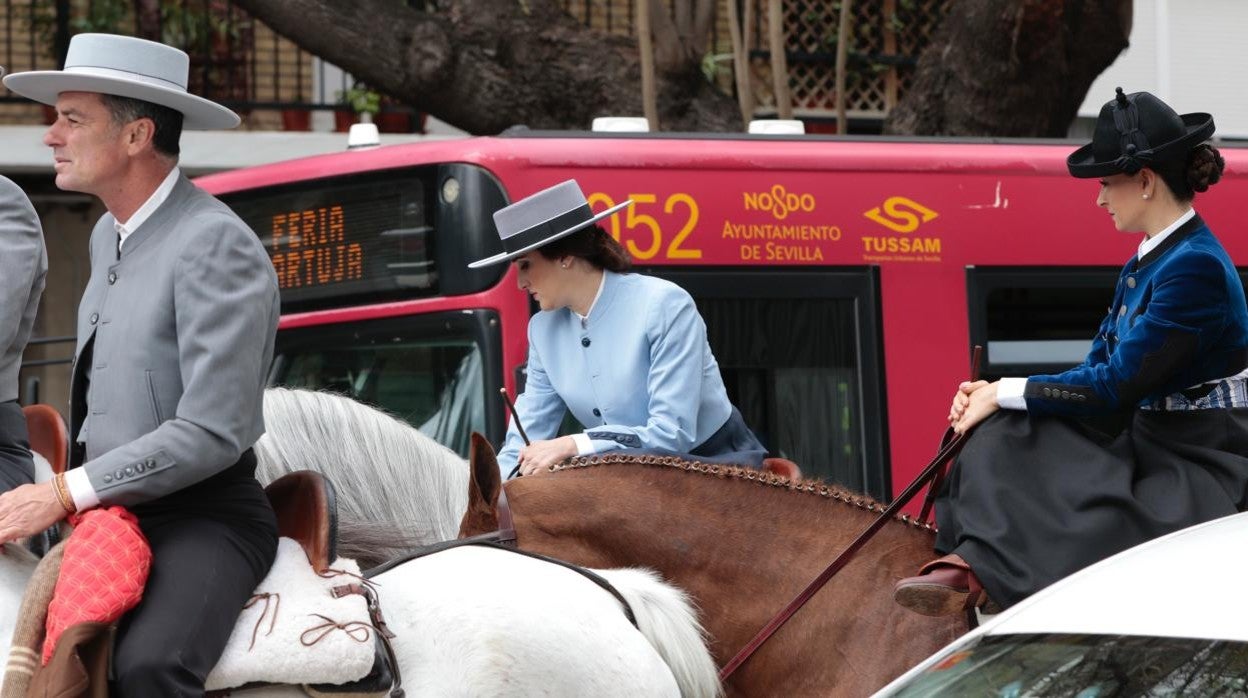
{"x": 505, "y": 539}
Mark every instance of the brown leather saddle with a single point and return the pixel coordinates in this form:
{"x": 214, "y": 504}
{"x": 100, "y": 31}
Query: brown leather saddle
{"x": 48, "y": 435}
{"x": 307, "y": 512}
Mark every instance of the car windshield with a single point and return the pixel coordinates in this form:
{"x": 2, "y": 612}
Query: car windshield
{"x": 1085, "y": 666}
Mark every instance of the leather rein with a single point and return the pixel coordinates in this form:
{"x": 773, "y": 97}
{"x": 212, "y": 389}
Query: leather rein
{"x": 932, "y": 472}
{"x": 505, "y": 539}
{"x": 950, "y": 445}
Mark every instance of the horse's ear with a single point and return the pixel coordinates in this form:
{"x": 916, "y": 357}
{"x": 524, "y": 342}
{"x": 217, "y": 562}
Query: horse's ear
{"x": 484, "y": 482}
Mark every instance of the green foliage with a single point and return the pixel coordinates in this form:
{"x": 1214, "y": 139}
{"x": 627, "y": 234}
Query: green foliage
{"x": 86, "y": 16}
{"x": 190, "y": 25}
{"x": 361, "y": 99}
{"x": 187, "y": 24}
{"x": 99, "y": 16}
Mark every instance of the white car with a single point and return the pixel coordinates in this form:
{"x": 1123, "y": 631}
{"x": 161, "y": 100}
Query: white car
{"x": 1165, "y": 618}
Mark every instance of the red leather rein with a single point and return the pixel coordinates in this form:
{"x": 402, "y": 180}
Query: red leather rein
{"x": 934, "y": 472}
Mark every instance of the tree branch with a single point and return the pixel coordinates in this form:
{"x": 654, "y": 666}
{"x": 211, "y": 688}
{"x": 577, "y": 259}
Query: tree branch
{"x": 484, "y": 65}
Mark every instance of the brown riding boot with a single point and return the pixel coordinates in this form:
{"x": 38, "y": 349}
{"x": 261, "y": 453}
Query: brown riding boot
{"x": 943, "y": 587}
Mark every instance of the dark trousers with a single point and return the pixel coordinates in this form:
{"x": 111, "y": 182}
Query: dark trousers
{"x": 212, "y": 544}
{"x": 17, "y": 466}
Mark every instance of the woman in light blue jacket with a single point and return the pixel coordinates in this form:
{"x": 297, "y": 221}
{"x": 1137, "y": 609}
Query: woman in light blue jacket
{"x": 627, "y": 354}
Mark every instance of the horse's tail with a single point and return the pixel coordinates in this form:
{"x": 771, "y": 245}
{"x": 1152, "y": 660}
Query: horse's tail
{"x": 669, "y": 621}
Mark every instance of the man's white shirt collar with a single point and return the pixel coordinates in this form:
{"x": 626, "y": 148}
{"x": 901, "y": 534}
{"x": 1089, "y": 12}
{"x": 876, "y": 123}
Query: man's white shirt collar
{"x": 124, "y": 230}
{"x": 1150, "y": 244}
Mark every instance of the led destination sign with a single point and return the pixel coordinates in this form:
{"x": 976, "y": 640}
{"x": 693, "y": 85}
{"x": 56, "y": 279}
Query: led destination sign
{"x": 336, "y": 239}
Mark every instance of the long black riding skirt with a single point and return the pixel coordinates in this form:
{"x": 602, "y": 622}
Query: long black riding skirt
{"x": 1032, "y": 499}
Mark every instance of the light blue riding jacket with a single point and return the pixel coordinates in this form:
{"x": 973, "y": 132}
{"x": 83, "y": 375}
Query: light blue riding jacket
{"x": 638, "y": 373}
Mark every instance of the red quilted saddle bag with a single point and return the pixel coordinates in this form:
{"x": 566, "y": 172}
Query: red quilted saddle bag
{"x": 102, "y": 575}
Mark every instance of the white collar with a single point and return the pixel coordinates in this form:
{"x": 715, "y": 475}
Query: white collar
{"x": 124, "y": 230}
{"x": 585, "y": 318}
{"x": 1150, "y": 244}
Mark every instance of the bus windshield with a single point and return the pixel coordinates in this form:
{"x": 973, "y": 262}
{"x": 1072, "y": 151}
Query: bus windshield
{"x": 434, "y": 381}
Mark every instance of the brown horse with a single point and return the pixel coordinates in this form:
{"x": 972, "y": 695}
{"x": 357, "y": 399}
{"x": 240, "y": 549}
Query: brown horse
{"x": 742, "y": 543}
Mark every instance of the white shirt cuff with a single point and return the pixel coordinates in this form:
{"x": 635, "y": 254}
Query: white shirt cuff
{"x": 1010, "y": 393}
{"x": 80, "y": 489}
{"x": 584, "y": 446}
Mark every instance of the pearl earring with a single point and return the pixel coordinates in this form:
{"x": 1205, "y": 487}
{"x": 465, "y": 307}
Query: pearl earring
{"x": 565, "y": 264}
{"x": 1146, "y": 196}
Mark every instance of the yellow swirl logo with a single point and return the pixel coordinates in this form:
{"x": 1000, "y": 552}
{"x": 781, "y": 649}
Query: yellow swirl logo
{"x": 779, "y": 202}
{"x": 900, "y": 214}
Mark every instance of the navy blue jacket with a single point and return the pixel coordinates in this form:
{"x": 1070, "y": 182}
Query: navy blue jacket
{"x": 1178, "y": 320}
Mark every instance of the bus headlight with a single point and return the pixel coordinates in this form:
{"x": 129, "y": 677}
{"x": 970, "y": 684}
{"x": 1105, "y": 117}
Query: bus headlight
{"x": 450, "y": 190}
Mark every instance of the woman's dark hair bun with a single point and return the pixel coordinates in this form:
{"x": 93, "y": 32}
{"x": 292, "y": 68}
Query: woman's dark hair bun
{"x": 1204, "y": 167}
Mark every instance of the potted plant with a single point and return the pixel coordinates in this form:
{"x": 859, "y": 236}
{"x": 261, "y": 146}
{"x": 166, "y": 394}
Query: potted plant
{"x": 363, "y": 104}
{"x": 296, "y": 119}
{"x": 394, "y": 117}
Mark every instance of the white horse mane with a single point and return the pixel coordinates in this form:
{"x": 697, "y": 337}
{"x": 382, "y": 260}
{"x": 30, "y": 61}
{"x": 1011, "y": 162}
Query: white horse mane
{"x": 383, "y": 470}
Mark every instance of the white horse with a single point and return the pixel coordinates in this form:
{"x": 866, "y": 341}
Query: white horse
{"x": 384, "y": 472}
{"x": 557, "y": 635}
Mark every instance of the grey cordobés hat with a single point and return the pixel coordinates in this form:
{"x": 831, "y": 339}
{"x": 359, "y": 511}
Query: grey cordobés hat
{"x": 541, "y": 218}
{"x": 126, "y": 67}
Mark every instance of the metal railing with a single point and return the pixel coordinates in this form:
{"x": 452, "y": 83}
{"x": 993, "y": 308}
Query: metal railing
{"x": 31, "y": 385}
{"x": 235, "y": 59}
{"x": 41, "y": 341}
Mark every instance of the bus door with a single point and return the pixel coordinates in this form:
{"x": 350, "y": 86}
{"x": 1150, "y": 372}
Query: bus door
{"x": 800, "y": 353}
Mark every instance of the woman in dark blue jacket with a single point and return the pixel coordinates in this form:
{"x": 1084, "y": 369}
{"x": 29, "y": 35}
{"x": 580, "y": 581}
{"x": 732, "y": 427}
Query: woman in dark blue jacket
{"x": 1149, "y": 434}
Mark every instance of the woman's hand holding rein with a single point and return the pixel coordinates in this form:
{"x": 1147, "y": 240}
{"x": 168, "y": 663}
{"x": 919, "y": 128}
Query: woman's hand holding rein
{"x": 540, "y": 455}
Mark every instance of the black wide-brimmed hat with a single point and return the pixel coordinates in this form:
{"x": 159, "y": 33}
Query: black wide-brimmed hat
{"x": 1136, "y": 131}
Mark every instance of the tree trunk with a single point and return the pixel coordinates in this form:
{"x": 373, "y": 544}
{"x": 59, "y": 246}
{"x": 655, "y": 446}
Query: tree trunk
{"x": 485, "y": 65}
{"x": 1011, "y": 67}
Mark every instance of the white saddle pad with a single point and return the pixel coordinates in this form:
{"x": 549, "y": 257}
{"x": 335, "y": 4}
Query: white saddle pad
{"x": 294, "y": 630}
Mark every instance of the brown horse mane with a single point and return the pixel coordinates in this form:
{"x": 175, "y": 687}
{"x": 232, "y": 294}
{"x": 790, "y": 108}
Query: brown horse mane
{"x": 736, "y": 472}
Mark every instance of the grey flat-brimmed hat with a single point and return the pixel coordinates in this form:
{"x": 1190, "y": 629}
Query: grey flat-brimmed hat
{"x": 541, "y": 218}
{"x": 127, "y": 67}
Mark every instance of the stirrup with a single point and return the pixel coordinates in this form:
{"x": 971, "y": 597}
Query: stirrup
{"x": 943, "y": 587}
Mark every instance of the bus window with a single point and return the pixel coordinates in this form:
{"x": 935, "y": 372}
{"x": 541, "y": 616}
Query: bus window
{"x": 436, "y": 381}
{"x": 799, "y": 353}
{"x": 1032, "y": 320}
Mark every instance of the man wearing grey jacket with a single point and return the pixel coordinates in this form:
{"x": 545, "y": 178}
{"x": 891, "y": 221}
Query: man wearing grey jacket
{"x": 23, "y": 265}
{"x": 175, "y": 338}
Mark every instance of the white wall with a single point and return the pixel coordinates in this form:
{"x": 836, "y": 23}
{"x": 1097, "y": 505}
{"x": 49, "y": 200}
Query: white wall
{"x": 1191, "y": 53}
